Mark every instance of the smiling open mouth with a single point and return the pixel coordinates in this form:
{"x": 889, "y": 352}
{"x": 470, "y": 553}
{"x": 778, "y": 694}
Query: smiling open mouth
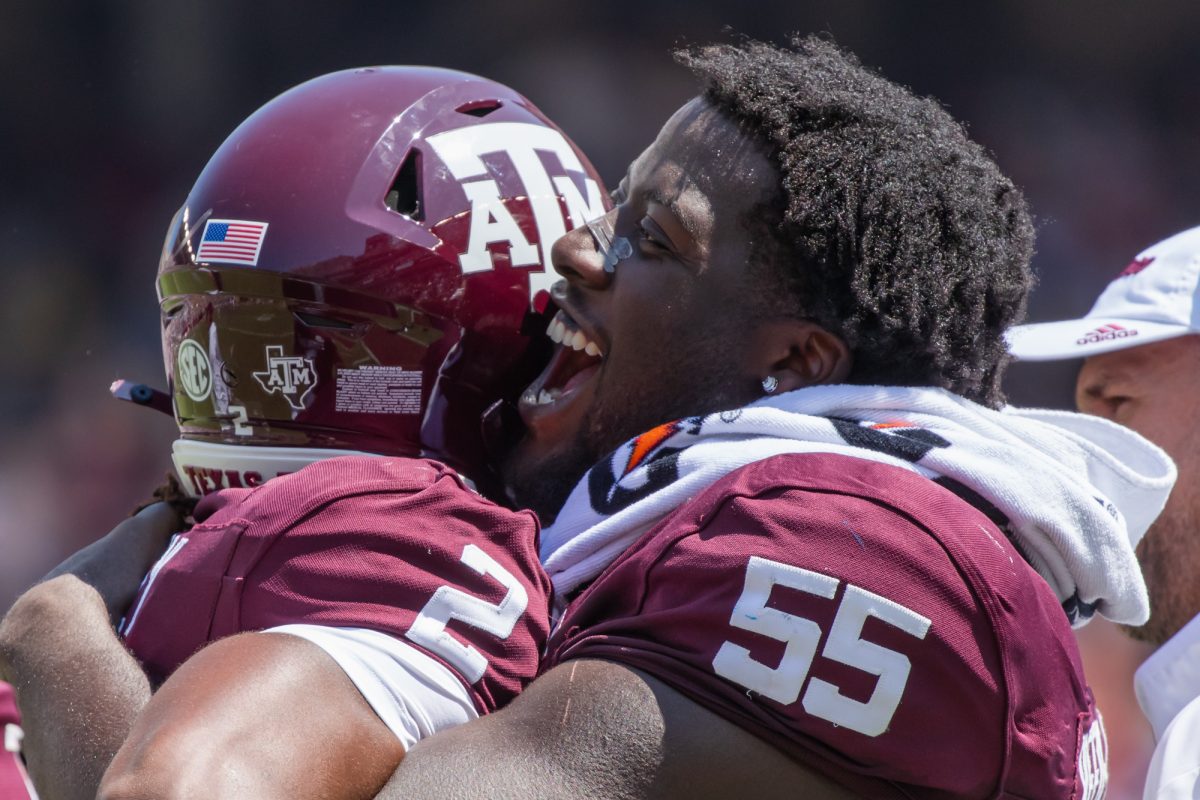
{"x": 575, "y": 361}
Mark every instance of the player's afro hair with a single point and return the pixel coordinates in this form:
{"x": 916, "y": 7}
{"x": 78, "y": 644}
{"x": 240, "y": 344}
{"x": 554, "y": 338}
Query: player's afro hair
{"x": 894, "y": 229}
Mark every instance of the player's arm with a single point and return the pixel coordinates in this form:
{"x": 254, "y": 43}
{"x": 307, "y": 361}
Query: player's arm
{"x": 448, "y": 621}
{"x": 593, "y": 728}
{"x": 260, "y": 715}
{"x": 77, "y": 686}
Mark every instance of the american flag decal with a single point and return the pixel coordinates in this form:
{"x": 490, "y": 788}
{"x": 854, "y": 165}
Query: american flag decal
{"x": 231, "y": 241}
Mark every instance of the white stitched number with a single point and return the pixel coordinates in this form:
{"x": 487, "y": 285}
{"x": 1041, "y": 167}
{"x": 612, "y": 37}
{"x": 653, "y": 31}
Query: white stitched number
{"x": 751, "y": 613}
{"x": 846, "y": 646}
{"x": 241, "y": 421}
{"x": 447, "y": 603}
{"x": 801, "y": 637}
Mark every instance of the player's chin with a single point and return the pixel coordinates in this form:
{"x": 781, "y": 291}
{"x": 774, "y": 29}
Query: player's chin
{"x": 541, "y": 469}
{"x": 539, "y": 475}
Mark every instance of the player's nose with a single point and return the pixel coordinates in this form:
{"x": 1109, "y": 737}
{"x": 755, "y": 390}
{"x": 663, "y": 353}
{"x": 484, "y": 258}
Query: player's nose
{"x": 579, "y": 256}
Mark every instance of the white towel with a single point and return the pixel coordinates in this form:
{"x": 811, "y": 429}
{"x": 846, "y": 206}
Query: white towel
{"x": 1076, "y": 493}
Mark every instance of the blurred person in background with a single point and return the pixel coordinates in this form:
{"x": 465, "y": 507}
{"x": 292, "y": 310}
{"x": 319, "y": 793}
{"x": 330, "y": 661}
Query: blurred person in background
{"x": 1141, "y": 348}
{"x": 354, "y": 272}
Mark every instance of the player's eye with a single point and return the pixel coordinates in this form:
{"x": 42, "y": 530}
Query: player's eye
{"x": 651, "y": 235}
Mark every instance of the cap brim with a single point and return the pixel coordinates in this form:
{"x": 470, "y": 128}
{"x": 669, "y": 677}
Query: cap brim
{"x": 1080, "y": 338}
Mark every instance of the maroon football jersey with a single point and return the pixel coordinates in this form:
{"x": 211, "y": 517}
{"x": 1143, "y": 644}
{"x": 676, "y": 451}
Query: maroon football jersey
{"x": 13, "y": 784}
{"x": 12, "y": 773}
{"x": 862, "y": 619}
{"x": 12, "y": 779}
{"x": 395, "y": 545}
{"x": 8, "y": 706}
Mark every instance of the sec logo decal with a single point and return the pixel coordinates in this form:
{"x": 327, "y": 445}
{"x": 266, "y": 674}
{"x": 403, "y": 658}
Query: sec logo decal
{"x": 193, "y": 370}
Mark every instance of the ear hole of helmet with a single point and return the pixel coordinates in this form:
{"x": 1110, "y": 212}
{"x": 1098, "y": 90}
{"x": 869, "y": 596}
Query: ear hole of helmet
{"x": 479, "y": 108}
{"x": 405, "y": 195}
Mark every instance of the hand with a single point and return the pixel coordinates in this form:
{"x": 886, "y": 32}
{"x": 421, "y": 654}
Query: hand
{"x": 170, "y": 492}
{"x": 115, "y": 565}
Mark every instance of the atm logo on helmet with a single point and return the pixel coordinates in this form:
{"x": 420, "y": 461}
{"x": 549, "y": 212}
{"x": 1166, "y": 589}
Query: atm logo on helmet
{"x": 291, "y": 376}
{"x": 491, "y": 222}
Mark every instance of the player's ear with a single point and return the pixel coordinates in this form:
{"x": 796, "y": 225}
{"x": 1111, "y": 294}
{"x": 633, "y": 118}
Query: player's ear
{"x": 799, "y": 353}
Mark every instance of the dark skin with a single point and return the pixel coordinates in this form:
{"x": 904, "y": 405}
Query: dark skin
{"x": 685, "y": 327}
{"x": 226, "y": 724}
{"x": 65, "y": 622}
{"x": 242, "y": 718}
{"x": 592, "y": 728}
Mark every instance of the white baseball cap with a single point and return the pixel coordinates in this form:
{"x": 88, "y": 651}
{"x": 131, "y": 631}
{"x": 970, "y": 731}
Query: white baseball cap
{"x": 1156, "y": 297}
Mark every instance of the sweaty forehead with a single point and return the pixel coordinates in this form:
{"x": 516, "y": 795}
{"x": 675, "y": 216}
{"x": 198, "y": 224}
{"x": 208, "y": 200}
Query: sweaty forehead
{"x": 704, "y": 168}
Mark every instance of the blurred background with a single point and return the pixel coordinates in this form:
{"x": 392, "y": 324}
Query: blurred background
{"x": 108, "y": 111}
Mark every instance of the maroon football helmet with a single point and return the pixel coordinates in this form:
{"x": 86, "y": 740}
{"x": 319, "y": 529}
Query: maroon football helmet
{"x": 355, "y": 268}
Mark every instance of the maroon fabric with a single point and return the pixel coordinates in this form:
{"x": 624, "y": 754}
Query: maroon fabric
{"x": 12, "y": 776}
{"x": 995, "y": 702}
{"x": 346, "y": 542}
{"x": 8, "y": 706}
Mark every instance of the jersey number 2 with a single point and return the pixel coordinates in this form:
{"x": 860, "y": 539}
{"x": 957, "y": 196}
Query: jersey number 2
{"x": 801, "y": 637}
{"x": 447, "y": 603}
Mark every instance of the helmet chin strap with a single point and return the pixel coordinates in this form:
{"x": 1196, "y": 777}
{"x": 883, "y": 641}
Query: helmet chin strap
{"x": 142, "y": 395}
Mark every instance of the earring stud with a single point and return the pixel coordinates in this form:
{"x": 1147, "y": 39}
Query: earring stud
{"x": 770, "y": 384}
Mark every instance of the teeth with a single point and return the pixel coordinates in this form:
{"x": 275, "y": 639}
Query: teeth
{"x": 544, "y": 397}
{"x": 559, "y": 333}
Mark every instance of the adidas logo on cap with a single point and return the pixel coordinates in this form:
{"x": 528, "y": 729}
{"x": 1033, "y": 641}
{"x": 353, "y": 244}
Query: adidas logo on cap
{"x": 1155, "y": 298}
{"x": 1106, "y": 333}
